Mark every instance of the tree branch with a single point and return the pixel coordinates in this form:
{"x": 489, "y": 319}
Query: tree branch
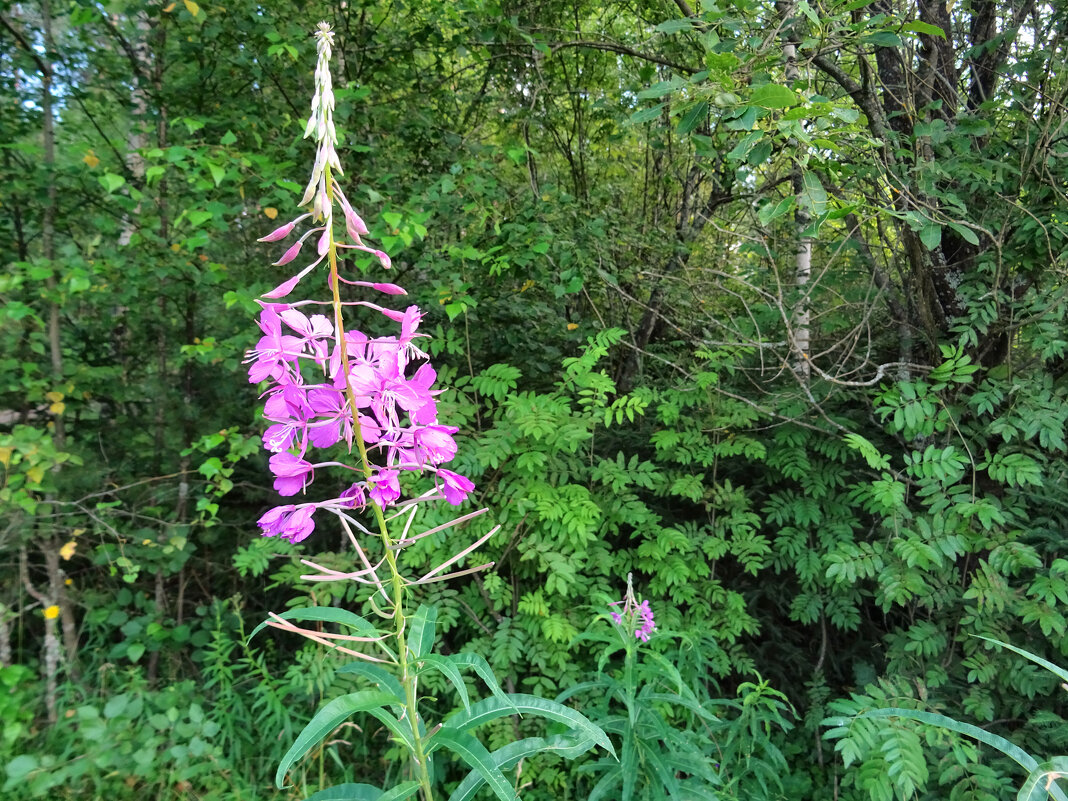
{"x": 612, "y": 47}
{"x": 42, "y": 65}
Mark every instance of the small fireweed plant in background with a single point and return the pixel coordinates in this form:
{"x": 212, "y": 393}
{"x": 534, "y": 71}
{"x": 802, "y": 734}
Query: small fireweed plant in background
{"x": 678, "y": 740}
{"x": 328, "y": 384}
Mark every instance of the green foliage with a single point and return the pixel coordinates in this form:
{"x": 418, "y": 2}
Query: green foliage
{"x": 551, "y": 198}
{"x": 138, "y": 742}
{"x": 679, "y": 740}
{"x": 892, "y": 761}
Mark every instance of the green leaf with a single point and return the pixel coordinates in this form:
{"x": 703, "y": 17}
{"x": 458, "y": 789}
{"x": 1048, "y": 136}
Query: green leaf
{"x": 228, "y": 138}
{"x": 661, "y": 88}
{"x": 20, "y": 766}
{"x": 400, "y": 792}
{"x": 845, "y": 114}
{"x": 385, "y": 681}
{"x": 402, "y": 731}
{"x": 477, "y": 757}
{"x": 508, "y": 756}
{"x": 651, "y": 757}
{"x": 605, "y": 786}
{"x": 772, "y": 95}
{"x": 694, "y": 117}
{"x": 875, "y": 460}
{"x": 966, "y": 233}
{"x": 349, "y": 792}
{"x": 760, "y": 153}
{"x": 1040, "y": 784}
{"x": 1052, "y": 668}
{"x": 325, "y": 721}
{"x": 923, "y": 27}
{"x": 365, "y": 792}
{"x": 479, "y": 664}
{"x": 813, "y": 195}
{"x": 110, "y": 181}
{"x": 772, "y": 211}
{"x": 421, "y": 635}
{"x": 674, "y": 26}
{"x": 1009, "y": 749}
{"x": 217, "y": 173}
{"x": 492, "y": 708}
{"x": 325, "y": 614}
{"x": 449, "y": 671}
{"x": 931, "y": 235}
{"x": 198, "y": 218}
{"x": 646, "y": 114}
{"x": 883, "y": 39}
{"x": 744, "y": 121}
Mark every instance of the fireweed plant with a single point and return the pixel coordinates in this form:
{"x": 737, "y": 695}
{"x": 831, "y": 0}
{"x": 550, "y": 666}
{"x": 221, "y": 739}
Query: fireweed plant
{"x": 327, "y": 384}
{"x": 679, "y": 740}
{"x": 633, "y": 616}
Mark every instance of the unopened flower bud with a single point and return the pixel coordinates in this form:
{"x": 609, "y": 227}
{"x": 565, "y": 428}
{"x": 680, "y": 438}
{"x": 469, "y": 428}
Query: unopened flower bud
{"x": 279, "y": 233}
{"x": 290, "y": 254}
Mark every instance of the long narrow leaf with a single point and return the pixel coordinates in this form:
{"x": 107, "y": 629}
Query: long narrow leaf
{"x": 421, "y": 636}
{"x": 693, "y": 705}
{"x": 651, "y": 757}
{"x": 449, "y": 671}
{"x": 606, "y": 784}
{"x": 479, "y": 664}
{"x": 325, "y": 721}
{"x": 1052, "y": 668}
{"x": 347, "y": 792}
{"x": 400, "y": 792}
{"x": 492, "y": 708}
{"x": 668, "y": 668}
{"x": 1009, "y": 749}
{"x": 477, "y": 757}
{"x": 326, "y": 614}
{"x": 402, "y": 731}
{"x": 382, "y": 678}
{"x": 628, "y": 764}
{"x": 508, "y": 756}
{"x": 1040, "y": 784}
{"x": 700, "y": 793}
{"x": 605, "y": 684}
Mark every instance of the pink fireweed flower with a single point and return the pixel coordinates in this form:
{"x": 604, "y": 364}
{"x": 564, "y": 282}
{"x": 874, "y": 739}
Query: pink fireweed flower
{"x": 292, "y": 473}
{"x": 276, "y": 354}
{"x": 385, "y": 489}
{"x": 454, "y": 487}
{"x": 381, "y": 393}
{"x": 290, "y": 411}
{"x": 633, "y": 616}
{"x": 645, "y": 614}
{"x": 355, "y": 496}
{"x": 293, "y": 523}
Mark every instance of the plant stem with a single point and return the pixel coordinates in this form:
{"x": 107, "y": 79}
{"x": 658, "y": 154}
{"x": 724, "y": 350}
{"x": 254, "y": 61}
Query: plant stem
{"x": 407, "y": 676}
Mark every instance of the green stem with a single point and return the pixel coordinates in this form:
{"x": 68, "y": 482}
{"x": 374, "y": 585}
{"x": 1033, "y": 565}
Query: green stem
{"x": 407, "y": 676}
